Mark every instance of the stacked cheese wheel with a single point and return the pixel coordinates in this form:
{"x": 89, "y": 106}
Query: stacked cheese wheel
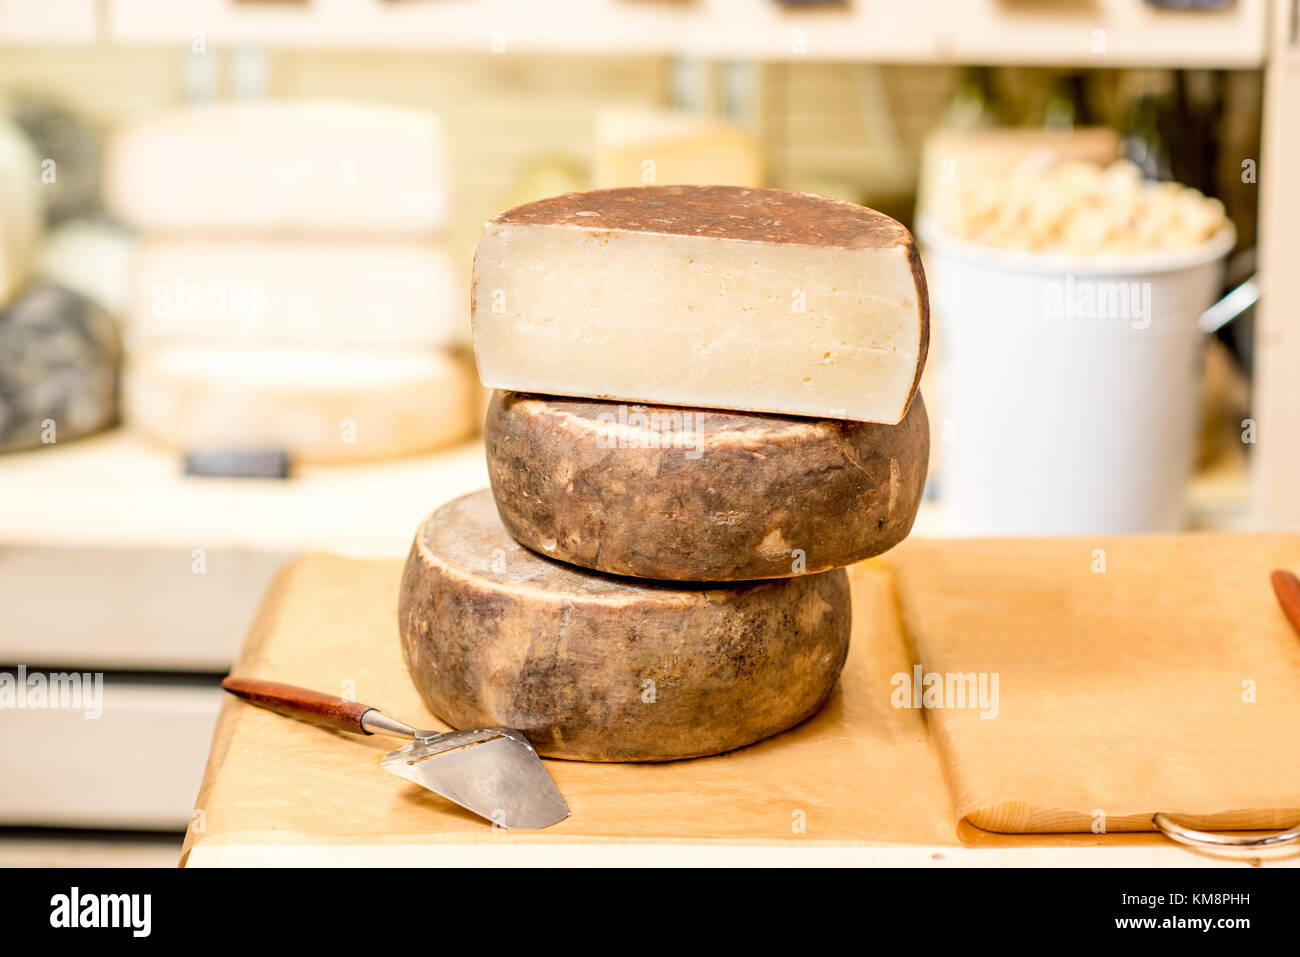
{"x": 706, "y": 408}
{"x": 290, "y": 291}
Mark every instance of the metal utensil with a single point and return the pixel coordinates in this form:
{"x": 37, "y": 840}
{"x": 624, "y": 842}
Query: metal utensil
{"x": 493, "y": 772}
{"x": 1229, "y": 307}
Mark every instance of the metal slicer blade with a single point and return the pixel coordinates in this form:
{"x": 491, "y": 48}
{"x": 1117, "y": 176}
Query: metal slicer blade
{"x": 493, "y": 772}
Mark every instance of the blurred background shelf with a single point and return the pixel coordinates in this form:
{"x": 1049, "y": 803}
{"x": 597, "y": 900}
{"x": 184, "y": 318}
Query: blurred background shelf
{"x": 1096, "y": 33}
{"x": 116, "y": 490}
{"x": 1061, "y": 32}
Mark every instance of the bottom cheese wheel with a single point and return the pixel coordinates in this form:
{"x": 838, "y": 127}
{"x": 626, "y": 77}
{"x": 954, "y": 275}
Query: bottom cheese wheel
{"x": 598, "y": 668}
{"x": 320, "y": 405}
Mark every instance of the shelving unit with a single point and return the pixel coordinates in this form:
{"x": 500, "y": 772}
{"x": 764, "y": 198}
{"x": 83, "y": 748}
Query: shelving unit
{"x": 1100, "y": 33}
{"x": 1247, "y": 34}
{"x": 48, "y": 21}
{"x": 117, "y": 491}
{"x": 165, "y": 573}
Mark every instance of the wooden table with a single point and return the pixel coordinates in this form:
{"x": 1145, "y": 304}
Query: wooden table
{"x": 857, "y": 784}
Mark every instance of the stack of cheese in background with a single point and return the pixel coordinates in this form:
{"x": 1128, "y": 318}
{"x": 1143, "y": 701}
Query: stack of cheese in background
{"x": 290, "y": 292}
{"x": 59, "y": 351}
{"x": 649, "y": 147}
{"x": 657, "y": 581}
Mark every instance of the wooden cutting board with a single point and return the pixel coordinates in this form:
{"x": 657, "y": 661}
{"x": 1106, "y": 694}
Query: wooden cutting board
{"x": 860, "y": 776}
{"x": 858, "y": 773}
{"x": 1133, "y": 676}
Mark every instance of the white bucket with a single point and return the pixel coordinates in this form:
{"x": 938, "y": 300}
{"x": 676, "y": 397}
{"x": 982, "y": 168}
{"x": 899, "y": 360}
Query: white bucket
{"x": 1069, "y": 385}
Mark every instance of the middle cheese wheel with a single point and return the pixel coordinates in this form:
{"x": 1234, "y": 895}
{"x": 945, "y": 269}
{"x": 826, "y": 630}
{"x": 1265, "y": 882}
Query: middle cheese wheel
{"x": 599, "y": 668}
{"x": 701, "y": 495}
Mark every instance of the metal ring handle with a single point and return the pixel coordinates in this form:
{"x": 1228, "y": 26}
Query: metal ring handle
{"x": 1209, "y": 840}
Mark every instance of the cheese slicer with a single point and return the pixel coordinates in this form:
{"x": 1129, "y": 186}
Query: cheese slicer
{"x": 493, "y": 772}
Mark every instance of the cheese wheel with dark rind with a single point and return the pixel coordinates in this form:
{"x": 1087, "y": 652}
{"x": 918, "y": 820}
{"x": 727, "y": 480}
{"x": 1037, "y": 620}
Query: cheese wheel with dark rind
{"x": 701, "y": 495}
{"x": 597, "y": 668}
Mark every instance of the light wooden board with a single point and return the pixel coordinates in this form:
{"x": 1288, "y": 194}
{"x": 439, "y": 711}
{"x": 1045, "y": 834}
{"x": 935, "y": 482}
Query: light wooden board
{"x": 859, "y": 783}
{"x": 1117, "y": 677}
{"x": 330, "y": 623}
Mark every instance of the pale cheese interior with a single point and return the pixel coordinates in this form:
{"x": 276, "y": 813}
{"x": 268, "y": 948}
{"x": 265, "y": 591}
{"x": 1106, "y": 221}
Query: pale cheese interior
{"x": 800, "y": 330}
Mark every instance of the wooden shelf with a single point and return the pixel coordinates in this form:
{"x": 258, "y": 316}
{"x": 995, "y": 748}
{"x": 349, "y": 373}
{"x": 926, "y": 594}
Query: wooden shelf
{"x": 116, "y": 491}
{"x": 1098, "y": 33}
{"x": 47, "y": 21}
{"x": 622, "y": 853}
{"x": 138, "y": 765}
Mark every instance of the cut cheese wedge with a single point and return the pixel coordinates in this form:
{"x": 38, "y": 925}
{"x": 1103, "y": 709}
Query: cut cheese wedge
{"x": 281, "y": 167}
{"x": 320, "y": 405}
{"x": 706, "y": 296}
{"x": 312, "y": 292}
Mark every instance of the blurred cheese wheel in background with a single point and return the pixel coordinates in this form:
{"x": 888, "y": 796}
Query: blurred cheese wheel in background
{"x": 314, "y": 292}
{"x": 22, "y": 209}
{"x": 319, "y": 405}
{"x": 281, "y": 167}
{"x": 665, "y": 147}
{"x": 59, "y": 363}
{"x": 69, "y": 148}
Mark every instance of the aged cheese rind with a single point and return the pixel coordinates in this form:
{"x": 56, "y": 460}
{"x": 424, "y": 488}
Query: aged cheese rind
{"x": 697, "y": 494}
{"x": 705, "y": 296}
{"x": 597, "y": 668}
{"x": 320, "y": 405}
{"x": 318, "y": 292}
{"x": 281, "y": 167}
